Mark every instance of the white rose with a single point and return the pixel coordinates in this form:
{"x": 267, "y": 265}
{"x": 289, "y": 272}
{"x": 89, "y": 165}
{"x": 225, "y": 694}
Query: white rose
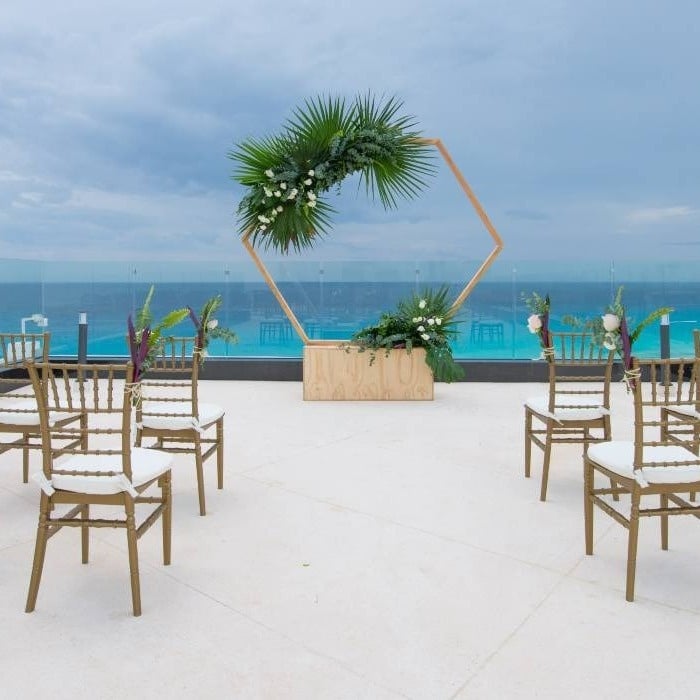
{"x": 417, "y": 319}
{"x": 431, "y": 321}
{"x": 311, "y": 173}
{"x": 308, "y": 181}
{"x": 312, "y": 203}
{"x": 263, "y": 227}
{"x": 269, "y": 173}
{"x": 438, "y": 321}
{"x": 283, "y": 185}
{"x": 420, "y": 329}
{"x": 422, "y": 304}
{"x": 611, "y": 322}
{"x": 534, "y": 323}
{"x": 212, "y": 324}
{"x": 279, "y": 209}
{"x": 311, "y": 196}
{"x": 278, "y": 193}
{"x": 425, "y": 336}
{"x": 268, "y": 191}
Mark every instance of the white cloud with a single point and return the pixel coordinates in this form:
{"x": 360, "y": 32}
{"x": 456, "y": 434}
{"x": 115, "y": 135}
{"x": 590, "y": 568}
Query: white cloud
{"x": 653, "y": 215}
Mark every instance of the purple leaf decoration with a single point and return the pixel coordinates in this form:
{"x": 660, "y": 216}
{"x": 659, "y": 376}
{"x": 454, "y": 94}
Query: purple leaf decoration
{"x": 545, "y": 329}
{"x": 200, "y": 328}
{"x": 195, "y": 320}
{"x": 626, "y": 343}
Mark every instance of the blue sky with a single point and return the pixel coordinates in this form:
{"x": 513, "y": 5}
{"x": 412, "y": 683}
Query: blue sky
{"x": 576, "y": 123}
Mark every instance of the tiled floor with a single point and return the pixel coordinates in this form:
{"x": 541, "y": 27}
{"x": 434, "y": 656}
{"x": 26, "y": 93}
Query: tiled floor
{"x": 358, "y": 550}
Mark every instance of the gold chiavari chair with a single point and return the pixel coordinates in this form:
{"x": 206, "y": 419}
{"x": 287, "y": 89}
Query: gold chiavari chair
{"x": 100, "y": 467}
{"x": 19, "y": 418}
{"x": 652, "y": 465}
{"x": 577, "y": 406}
{"x": 170, "y": 411}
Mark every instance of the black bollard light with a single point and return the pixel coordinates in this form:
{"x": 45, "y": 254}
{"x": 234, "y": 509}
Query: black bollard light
{"x": 665, "y": 337}
{"x": 82, "y": 337}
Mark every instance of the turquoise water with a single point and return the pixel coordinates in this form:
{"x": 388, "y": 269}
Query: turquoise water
{"x": 492, "y": 321}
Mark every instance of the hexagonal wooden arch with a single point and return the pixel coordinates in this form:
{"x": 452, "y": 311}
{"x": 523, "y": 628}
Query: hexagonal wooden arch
{"x": 461, "y": 297}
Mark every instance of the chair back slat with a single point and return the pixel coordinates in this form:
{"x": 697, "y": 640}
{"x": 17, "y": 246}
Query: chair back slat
{"x": 97, "y": 399}
{"x": 176, "y": 366}
{"x": 580, "y": 367}
{"x": 666, "y": 383}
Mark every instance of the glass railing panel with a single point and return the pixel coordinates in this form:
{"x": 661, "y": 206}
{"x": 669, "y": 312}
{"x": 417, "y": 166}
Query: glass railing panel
{"x": 333, "y": 299}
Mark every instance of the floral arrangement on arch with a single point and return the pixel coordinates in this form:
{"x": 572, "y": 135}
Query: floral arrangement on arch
{"x": 287, "y": 175}
{"x": 538, "y": 322}
{"x": 425, "y": 320}
{"x": 615, "y": 334}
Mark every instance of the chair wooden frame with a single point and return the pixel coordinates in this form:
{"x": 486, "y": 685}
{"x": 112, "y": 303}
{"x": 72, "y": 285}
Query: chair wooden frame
{"x": 633, "y": 468}
{"x": 674, "y": 426}
{"x": 171, "y": 414}
{"x": 102, "y": 393}
{"x": 577, "y": 406}
{"x": 18, "y": 412}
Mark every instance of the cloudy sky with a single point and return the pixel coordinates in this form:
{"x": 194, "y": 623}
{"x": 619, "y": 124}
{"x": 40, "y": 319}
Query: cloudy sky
{"x": 576, "y": 123}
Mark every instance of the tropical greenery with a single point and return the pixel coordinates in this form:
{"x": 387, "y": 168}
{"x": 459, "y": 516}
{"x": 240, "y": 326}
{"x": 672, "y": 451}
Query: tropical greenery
{"x": 208, "y": 327}
{"x": 425, "y": 320}
{"x": 613, "y": 332}
{"x": 326, "y": 140}
{"x": 538, "y": 321}
{"x": 145, "y": 335}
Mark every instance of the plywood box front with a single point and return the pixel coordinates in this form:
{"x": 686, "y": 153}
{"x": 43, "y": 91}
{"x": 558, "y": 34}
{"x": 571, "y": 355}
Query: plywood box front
{"x": 332, "y": 373}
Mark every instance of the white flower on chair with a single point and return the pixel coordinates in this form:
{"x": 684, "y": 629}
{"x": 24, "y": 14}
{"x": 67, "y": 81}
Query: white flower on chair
{"x": 611, "y": 323}
{"x": 534, "y": 323}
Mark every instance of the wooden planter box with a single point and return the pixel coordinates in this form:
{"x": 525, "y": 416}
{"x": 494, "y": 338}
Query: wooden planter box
{"x": 332, "y": 373}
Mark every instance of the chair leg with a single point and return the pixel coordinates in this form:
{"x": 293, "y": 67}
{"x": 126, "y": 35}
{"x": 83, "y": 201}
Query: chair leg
{"x": 25, "y": 460}
{"x": 133, "y": 555}
{"x": 632, "y": 545}
{"x": 85, "y": 533}
{"x": 200, "y": 473}
{"x": 528, "y": 441}
{"x": 39, "y": 552}
{"x": 664, "y": 522}
{"x": 167, "y": 495}
{"x": 588, "y": 480}
{"x": 220, "y": 453}
{"x": 545, "y": 462}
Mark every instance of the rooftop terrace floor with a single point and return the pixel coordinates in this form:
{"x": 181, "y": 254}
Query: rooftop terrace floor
{"x": 358, "y": 550}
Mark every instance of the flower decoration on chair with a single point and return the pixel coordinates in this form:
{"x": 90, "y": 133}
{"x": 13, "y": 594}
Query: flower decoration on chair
{"x": 423, "y": 321}
{"x": 614, "y": 334}
{"x": 208, "y": 327}
{"x": 325, "y": 142}
{"x": 144, "y": 336}
{"x": 538, "y": 322}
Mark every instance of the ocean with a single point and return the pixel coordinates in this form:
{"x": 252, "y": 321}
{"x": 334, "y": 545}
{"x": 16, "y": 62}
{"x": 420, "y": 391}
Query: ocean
{"x": 492, "y": 322}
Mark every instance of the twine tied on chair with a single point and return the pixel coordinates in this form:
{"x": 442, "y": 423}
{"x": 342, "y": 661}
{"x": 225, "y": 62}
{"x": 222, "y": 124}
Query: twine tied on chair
{"x": 135, "y": 392}
{"x": 630, "y": 378}
{"x": 548, "y": 353}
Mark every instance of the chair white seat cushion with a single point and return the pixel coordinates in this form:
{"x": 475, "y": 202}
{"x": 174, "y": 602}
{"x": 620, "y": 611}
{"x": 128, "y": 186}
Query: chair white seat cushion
{"x": 23, "y": 412}
{"x": 685, "y": 409}
{"x": 183, "y": 420}
{"x": 146, "y": 464}
{"x": 540, "y": 405}
{"x": 618, "y": 457}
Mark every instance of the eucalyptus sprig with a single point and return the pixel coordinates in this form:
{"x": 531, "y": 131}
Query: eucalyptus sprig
{"x": 323, "y": 143}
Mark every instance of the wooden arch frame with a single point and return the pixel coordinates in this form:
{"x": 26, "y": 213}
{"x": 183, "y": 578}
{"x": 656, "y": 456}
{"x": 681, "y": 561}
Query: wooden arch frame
{"x": 461, "y": 297}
